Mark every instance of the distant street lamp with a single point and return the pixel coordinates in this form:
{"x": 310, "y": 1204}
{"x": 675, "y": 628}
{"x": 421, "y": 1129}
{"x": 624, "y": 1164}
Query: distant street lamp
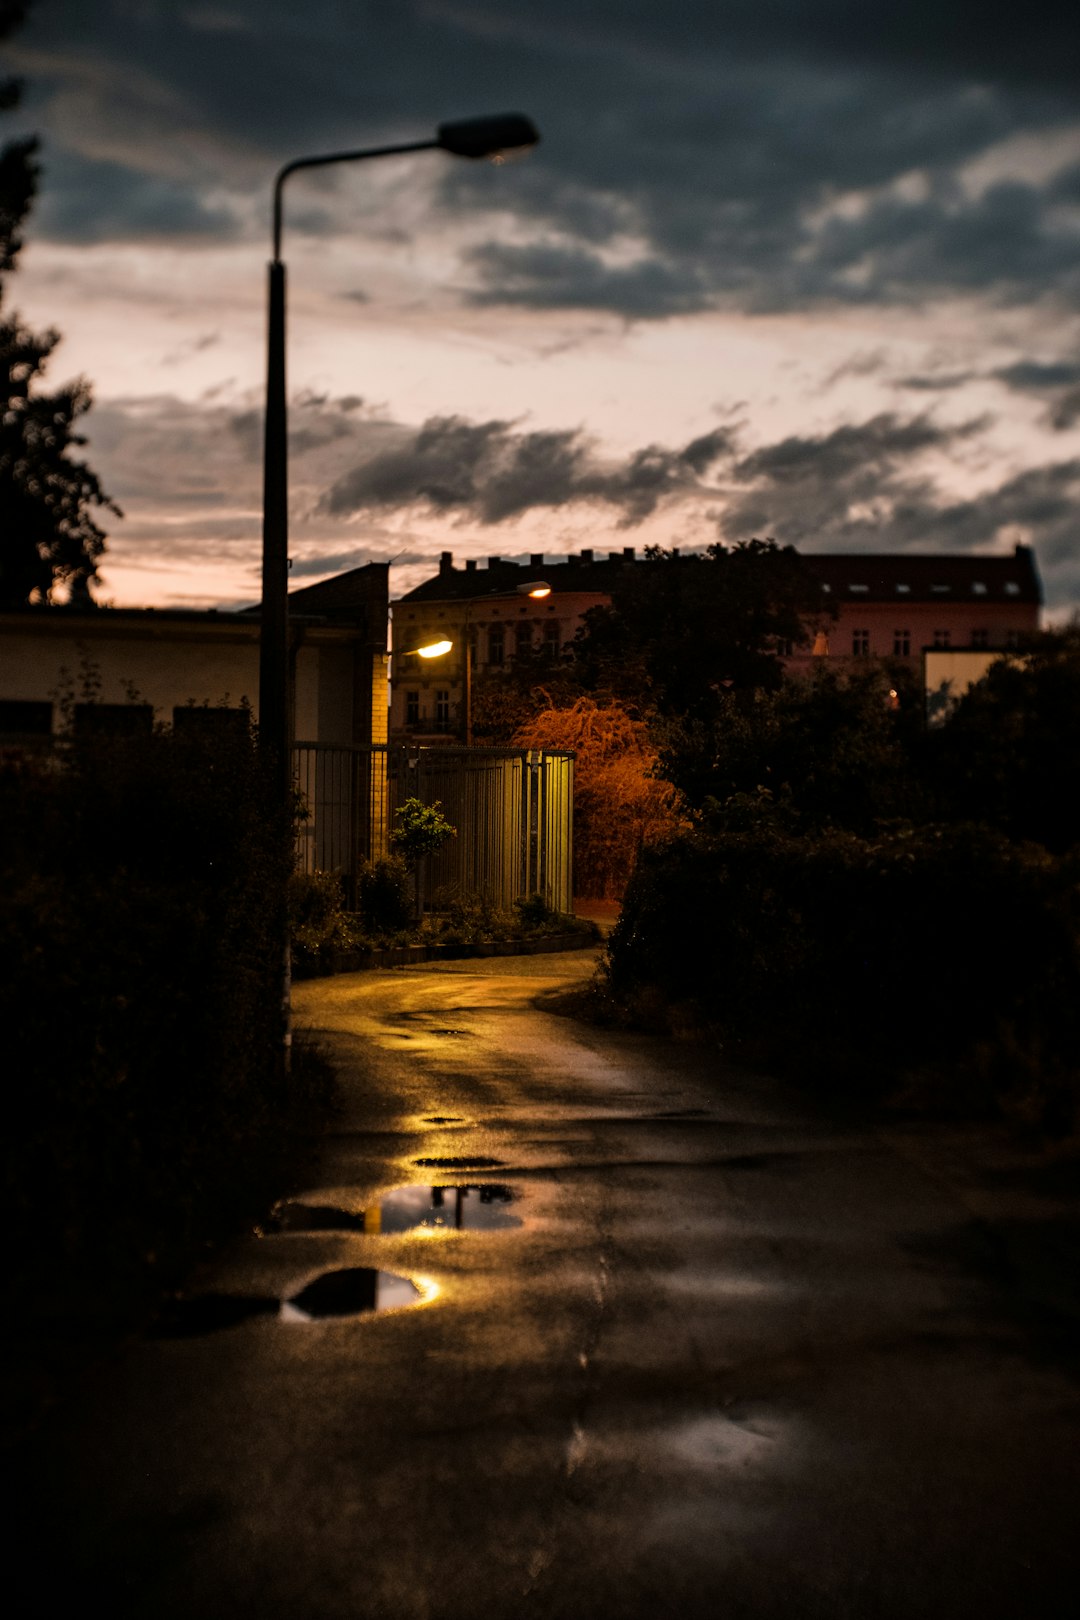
{"x": 537, "y": 589}
{"x": 469, "y": 138}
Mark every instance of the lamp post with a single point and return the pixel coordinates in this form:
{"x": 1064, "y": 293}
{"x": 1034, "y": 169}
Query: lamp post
{"x": 469, "y": 138}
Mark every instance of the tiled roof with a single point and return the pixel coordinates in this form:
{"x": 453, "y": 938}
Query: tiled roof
{"x": 845, "y": 576}
{"x": 911, "y": 577}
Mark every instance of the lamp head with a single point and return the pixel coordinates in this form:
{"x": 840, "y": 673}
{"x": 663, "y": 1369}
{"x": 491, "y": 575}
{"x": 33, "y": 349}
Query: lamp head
{"x": 488, "y": 137}
{"x": 536, "y": 588}
{"x": 434, "y": 649}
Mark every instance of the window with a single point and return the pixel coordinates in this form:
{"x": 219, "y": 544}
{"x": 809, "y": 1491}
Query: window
{"x": 785, "y": 647}
{"x": 202, "y": 721}
{"x": 523, "y": 639}
{"x": 25, "y": 719}
{"x": 496, "y": 644}
{"x": 552, "y": 639}
{"x": 941, "y": 638}
{"x": 412, "y": 708}
{"x": 442, "y": 711}
{"x": 940, "y": 590}
{"x": 113, "y": 719}
{"x": 978, "y": 588}
{"x": 859, "y": 590}
{"x": 860, "y": 642}
{"x": 903, "y": 590}
{"x": 1012, "y": 588}
{"x": 1012, "y": 638}
{"x": 980, "y": 638}
{"x": 901, "y": 643}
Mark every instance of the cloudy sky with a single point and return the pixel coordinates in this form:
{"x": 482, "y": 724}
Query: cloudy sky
{"x": 801, "y": 268}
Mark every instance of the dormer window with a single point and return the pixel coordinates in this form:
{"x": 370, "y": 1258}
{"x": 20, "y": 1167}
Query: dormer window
{"x": 859, "y": 590}
{"x": 1011, "y": 588}
{"x": 978, "y": 588}
{"x": 940, "y": 590}
{"x": 826, "y": 587}
{"x": 903, "y": 590}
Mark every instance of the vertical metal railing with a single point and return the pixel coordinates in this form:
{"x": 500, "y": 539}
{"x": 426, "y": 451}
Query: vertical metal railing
{"x": 513, "y": 812}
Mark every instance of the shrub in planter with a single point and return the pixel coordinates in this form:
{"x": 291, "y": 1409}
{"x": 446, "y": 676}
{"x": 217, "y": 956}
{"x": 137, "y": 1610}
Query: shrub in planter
{"x": 385, "y": 896}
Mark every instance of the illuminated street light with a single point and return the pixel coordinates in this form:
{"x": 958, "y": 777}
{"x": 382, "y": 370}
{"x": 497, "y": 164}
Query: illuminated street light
{"x": 537, "y": 589}
{"x": 492, "y": 137}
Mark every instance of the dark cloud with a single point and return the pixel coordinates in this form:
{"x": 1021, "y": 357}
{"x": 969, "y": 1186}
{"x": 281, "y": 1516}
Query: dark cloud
{"x": 936, "y": 382}
{"x": 1055, "y": 381}
{"x": 692, "y": 154}
{"x": 491, "y": 472}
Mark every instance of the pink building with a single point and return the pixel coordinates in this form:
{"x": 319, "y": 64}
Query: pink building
{"x": 887, "y": 605}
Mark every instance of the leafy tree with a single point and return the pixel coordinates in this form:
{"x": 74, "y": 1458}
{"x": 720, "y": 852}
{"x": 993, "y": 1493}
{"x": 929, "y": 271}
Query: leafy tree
{"x": 422, "y": 830}
{"x": 837, "y": 748}
{"x": 47, "y": 533}
{"x": 683, "y": 631}
{"x": 619, "y": 804}
{"x": 1008, "y": 752}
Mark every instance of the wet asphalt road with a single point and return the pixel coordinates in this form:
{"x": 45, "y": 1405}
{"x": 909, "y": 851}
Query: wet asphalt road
{"x": 734, "y": 1361}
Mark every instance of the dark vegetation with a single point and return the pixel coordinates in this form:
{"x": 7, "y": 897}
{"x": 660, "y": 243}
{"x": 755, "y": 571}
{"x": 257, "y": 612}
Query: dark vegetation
{"x": 325, "y": 934}
{"x": 811, "y": 872}
{"x": 140, "y": 946}
{"x": 48, "y": 535}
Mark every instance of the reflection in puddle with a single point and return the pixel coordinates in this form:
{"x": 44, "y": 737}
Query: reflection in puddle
{"x": 444, "y": 1119}
{"x": 476, "y": 1209}
{"x": 464, "y": 1162}
{"x": 404, "y": 1209}
{"x": 351, "y": 1292}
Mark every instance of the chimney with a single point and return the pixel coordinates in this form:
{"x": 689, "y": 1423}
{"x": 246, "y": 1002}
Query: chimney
{"x": 628, "y": 553}
{"x": 536, "y": 560}
{"x": 586, "y": 556}
{"x": 613, "y": 556}
{"x": 470, "y": 565}
{"x": 446, "y": 563}
{"x": 493, "y": 562}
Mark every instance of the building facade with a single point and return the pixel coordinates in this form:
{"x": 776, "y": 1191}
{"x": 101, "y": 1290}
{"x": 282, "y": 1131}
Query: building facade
{"x": 128, "y": 669}
{"x": 893, "y": 605}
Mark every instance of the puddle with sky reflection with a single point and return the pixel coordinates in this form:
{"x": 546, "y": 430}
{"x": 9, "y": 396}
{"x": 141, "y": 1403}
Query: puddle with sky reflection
{"x": 404, "y": 1209}
{"x": 350, "y": 1291}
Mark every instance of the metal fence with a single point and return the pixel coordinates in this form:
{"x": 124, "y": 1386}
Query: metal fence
{"x": 512, "y": 810}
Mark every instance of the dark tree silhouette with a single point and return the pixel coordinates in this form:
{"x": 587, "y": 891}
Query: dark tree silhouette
{"x": 47, "y": 533}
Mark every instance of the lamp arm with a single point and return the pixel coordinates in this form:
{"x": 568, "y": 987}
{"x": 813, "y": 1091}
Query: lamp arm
{"x": 335, "y": 157}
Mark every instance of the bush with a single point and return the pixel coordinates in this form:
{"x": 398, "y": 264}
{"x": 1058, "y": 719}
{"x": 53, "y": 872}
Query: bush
{"x": 142, "y": 886}
{"x": 946, "y": 946}
{"x": 385, "y": 896}
{"x": 318, "y": 924}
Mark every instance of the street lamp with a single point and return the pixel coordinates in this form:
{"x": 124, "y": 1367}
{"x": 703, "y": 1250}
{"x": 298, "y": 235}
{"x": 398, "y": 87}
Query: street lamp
{"x": 469, "y": 138}
{"x": 537, "y": 589}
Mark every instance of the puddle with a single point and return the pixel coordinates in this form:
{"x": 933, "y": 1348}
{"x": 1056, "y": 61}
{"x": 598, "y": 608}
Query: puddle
{"x": 456, "y": 1032}
{"x": 353, "y": 1292}
{"x": 452, "y": 1209}
{"x": 680, "y": 1113}
{"x": 444, "y": 1119}
{"x": 469, "y": 1161}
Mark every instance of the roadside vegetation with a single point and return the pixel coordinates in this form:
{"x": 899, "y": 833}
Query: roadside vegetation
{"x": 822, "y": 881}
{"x": 141, "y": 928}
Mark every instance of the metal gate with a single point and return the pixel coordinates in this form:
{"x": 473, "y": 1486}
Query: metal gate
{"x": 513, "y": 811}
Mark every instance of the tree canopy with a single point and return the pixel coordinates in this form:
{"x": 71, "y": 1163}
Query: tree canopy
{"x": 48, "y": 536}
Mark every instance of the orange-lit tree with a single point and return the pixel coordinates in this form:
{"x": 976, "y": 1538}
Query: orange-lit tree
{"x": 618, "y": 805}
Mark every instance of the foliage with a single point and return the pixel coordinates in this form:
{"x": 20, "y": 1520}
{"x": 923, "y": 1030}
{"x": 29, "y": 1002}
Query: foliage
{"x": 47, "y": 533}
{"x": 385, "y": 897}
{"x": 318, "y": 922}
{"x": 1008, "y": 754}
{"x": 683, "y": 630}
{"x": 940, "y": 944}
{"x": 506, "y": 700}
{"x": 422, "y": 830}
{"x": 618, "y": 803}
{"x": 141, "y": 892}
{"x": 834, "y": 747}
